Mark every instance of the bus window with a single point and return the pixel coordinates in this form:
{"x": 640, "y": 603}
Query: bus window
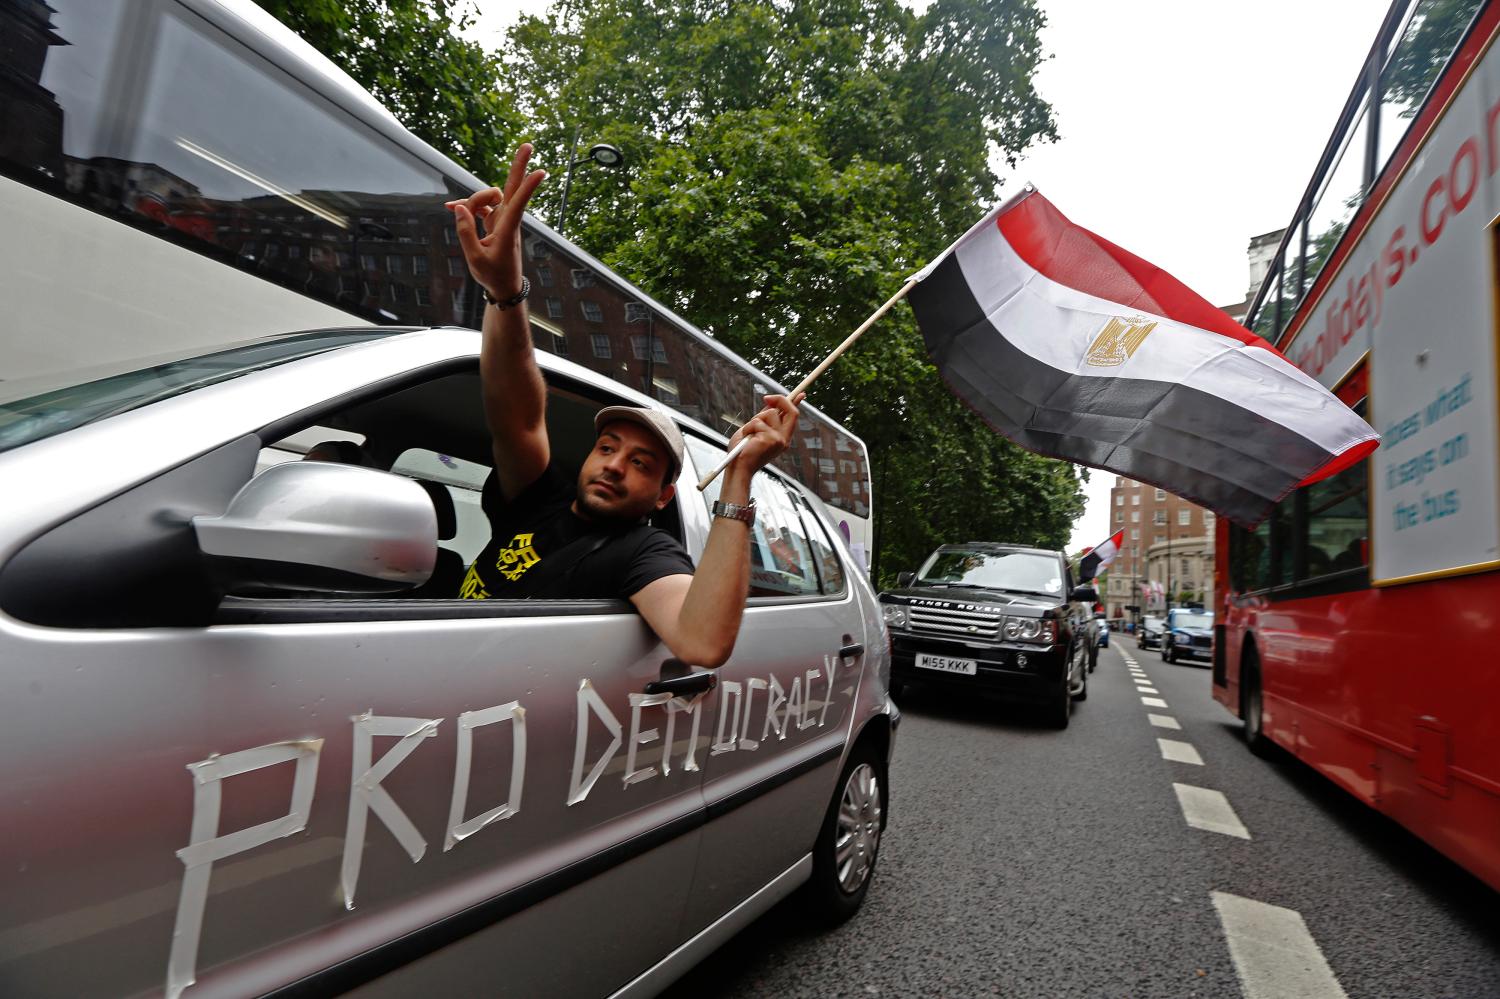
{"x": 1335, "y": 526}
{"x": 1319, "y": 531}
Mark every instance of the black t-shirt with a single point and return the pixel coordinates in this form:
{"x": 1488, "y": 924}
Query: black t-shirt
{"x": 540, "y": 548}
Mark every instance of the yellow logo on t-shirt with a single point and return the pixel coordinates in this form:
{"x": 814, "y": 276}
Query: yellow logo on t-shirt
{"x": 512, "y": 563}
{"x": 473, "y": 588}
{"x": 517, "y": 557}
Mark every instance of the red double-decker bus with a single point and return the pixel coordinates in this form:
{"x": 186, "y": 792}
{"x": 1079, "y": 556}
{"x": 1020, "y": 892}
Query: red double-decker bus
{"x": 1359, "y": 627}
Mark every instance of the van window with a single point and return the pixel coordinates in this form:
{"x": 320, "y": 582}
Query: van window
{"x": 790, "y": 556}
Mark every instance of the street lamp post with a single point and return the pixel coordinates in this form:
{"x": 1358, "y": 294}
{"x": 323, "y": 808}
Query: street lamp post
{"x": 601, "y": 153}
{"x": 1169, "y": 560}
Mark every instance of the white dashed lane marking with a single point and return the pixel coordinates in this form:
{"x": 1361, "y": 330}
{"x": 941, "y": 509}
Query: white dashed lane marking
{"x": 1273, "y": 951}
{"x": 1153, "y": 702}
{"x": 1179, "y": 752}
{"x": 1207, "y": 809}
{"x": 1147, "y": 690}
{"x": 1164, "y": 721}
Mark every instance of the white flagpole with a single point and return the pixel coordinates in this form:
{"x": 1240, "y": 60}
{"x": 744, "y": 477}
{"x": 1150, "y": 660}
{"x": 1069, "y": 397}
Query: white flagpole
{"x": 822, "y": 367}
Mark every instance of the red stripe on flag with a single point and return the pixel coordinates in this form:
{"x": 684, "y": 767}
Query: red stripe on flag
{"x": 1340, "y": 462}
{"x": 1075, "y": 257}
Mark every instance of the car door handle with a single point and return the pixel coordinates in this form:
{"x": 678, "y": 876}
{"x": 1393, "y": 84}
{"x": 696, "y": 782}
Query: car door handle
{"x": 686, "y": 685}
{"x": 851, "y": 651}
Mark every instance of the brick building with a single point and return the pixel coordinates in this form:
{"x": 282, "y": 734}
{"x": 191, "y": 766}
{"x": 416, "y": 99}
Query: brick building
{"x": 1167, "y": 540}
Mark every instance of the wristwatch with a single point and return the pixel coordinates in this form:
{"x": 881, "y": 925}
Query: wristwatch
{"x": 734, "y": 511}
{"x": 508, "y": 303}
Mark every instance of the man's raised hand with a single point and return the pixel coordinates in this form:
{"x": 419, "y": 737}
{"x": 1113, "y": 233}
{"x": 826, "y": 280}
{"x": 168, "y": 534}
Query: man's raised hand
{"x": 768, "y": 432}
{"x": 495, "y": 258}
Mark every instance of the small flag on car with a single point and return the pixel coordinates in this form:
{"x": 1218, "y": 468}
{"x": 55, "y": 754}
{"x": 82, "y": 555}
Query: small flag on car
{"x": 1075, "y": 348}
{"x": 1095, "y": 560}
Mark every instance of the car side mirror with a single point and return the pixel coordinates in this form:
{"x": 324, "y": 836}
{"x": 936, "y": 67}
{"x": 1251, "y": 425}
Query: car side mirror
{"x": 905, "y": 579}
{"x": 1084, "y": 594}
{"x": 320, "y": 526}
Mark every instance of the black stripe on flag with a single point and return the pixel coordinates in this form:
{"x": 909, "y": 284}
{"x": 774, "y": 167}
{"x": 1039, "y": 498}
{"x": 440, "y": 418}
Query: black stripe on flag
{"x": 1197, "y": 444}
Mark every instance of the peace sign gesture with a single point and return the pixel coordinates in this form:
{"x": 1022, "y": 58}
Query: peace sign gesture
{"x": 495, "y": 258}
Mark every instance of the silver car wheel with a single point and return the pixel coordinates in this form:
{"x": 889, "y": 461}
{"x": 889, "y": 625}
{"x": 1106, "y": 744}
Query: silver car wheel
{"x": 858, "y": 833}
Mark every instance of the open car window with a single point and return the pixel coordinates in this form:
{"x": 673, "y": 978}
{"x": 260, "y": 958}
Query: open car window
{"x": 434, "y": 432}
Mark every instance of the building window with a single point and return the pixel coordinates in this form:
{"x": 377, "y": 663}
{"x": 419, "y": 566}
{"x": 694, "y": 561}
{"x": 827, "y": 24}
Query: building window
{"x": 592, "y": 312}
{"x": 1184, "y": 517}
{"x": 600, "y": 342}
{"x": 814, "y": 443}
{"x": 1159, "y": 517}
{"x": 583, "y": 277}
{"x": 1135, "y": 532}
{"x": 1135, "y": 499}
{"x": 544, "y": 275}
{"x": 1119, "y": 499}
{"x": 536, "y": 248}
{"x": 294, "y": 252}
{"x": 423, "y": 297}
{"x": 395, "y": 264}
{"x": 1160, "y": 538}
{"x": 1119, "y": 516}
{"x": 559, "y": 343}
{"x": 1161, "y": 494}
{"x": 457, "y": 267}
{"x": 636, "y": 312}
{"x": 666, "y": 389}
{"x": 419, "y": 266}
{"x": 658, "y": 349}
{"x": 554, "y": 308}
{"x": 367, "y": 261}
{"x": 1135, "y": 516}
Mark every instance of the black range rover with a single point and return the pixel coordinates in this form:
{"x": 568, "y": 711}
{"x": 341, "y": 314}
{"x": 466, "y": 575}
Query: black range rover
{"x": 998, "y": 618}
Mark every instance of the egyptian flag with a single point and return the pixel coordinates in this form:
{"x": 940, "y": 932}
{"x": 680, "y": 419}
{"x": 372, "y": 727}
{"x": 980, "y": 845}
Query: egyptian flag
{"x": 1074, "y": 348}
{"x": 1096, "y": 560}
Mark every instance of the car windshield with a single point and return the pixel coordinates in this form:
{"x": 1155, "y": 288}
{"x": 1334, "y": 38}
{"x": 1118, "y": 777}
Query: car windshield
{"x": 27, "y": 417}
{"x": 1027, "y": 571}
{"x": 1151, "y": 622}
{"x": 1193, "y": 621}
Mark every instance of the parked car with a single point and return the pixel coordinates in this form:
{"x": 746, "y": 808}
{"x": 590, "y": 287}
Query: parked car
{"x": 1189, "y": 634}
{"x": 191, "y": 614}
{"x": 1103, "y": 635}
{"x": 1004, "y": 619}
{"x": 1148, "y": 635}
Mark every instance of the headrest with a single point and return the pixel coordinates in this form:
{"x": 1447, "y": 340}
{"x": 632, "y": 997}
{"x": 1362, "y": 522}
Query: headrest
{"x": 442, "y": 503}
{"x": 342, "y": 452}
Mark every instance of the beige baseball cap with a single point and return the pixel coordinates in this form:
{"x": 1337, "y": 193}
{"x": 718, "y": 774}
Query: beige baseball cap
{"x": 662, "y": 427}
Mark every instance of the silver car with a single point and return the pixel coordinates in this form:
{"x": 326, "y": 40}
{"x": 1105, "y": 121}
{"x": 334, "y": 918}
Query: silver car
{"x": 250, "y": 743}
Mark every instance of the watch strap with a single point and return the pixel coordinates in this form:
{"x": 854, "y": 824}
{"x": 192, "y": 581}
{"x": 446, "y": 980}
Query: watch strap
{"x": 744, "y": 513}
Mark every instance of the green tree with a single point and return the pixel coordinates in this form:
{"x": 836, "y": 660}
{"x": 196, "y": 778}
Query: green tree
{"x": 408, "y": 53}
{"x": 790, "y": 162}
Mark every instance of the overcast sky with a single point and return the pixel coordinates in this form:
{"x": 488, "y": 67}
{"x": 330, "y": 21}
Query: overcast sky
{"x": 1187, "y": 127}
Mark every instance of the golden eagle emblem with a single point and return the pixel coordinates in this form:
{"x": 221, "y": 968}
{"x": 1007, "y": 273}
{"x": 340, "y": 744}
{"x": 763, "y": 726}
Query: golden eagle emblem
{"x": 1118, "y": 340}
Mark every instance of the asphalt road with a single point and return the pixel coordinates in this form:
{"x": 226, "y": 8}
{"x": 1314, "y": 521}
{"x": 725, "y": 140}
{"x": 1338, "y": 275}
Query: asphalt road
{"x": 1022, "y": 861}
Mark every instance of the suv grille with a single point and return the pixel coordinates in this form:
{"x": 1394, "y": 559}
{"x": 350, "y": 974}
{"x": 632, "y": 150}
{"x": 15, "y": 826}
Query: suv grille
{"x": 953, "y": 623}
{"x": 1202, "y": 642}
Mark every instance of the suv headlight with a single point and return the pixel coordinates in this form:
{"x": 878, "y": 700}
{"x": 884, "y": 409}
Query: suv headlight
{"x": 1030, "y": 629}
{"x": 895, "y": 615}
